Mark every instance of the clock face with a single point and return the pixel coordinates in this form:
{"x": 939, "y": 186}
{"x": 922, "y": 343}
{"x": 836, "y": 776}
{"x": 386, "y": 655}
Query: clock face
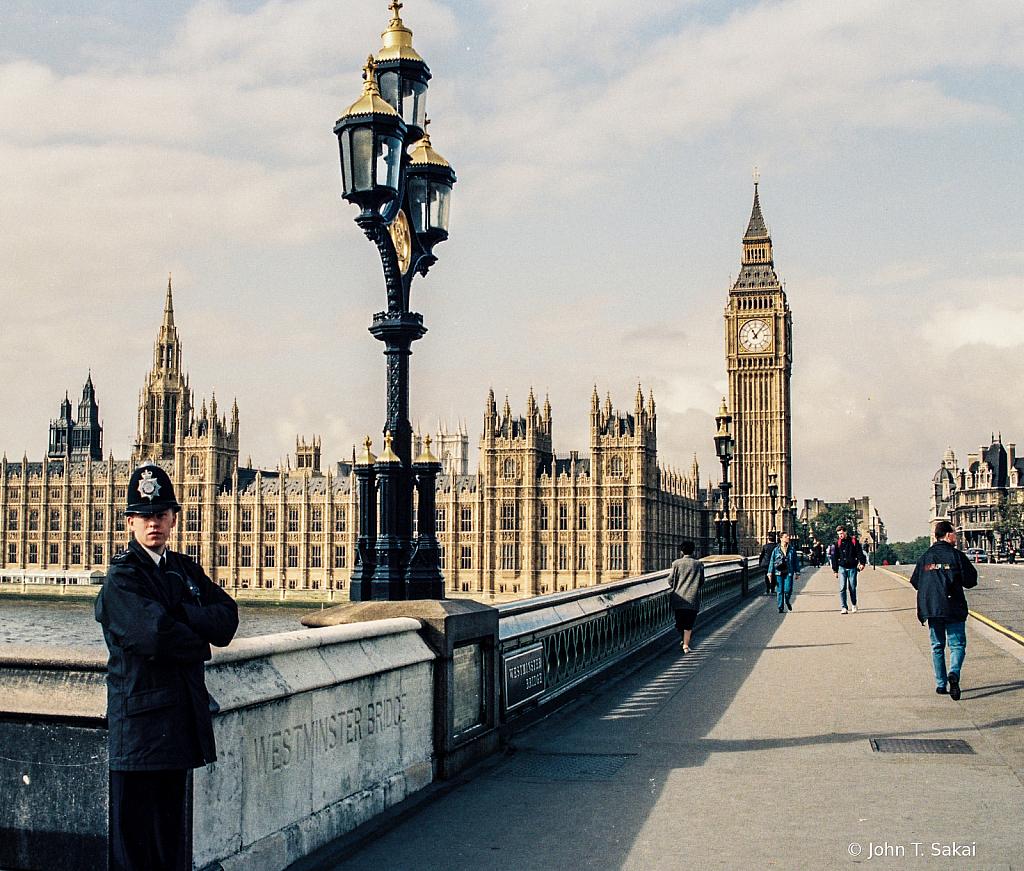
{"x": 755, "y": 335}
{"x": 403, "y": 241}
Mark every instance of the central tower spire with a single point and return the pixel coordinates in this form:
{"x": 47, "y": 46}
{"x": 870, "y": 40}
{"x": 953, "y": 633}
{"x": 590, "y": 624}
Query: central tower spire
{"x": 165, "y": 406}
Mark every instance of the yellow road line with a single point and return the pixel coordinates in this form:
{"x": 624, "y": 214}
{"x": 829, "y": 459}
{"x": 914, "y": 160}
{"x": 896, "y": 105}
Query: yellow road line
{"x": 1009, "y": 633}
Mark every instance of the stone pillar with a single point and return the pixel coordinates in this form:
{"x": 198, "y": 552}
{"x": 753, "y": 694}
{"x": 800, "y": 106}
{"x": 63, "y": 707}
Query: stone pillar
{"x": 464, "y": 636}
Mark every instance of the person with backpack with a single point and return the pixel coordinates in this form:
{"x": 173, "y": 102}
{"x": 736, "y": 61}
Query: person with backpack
{"x": 940, "y": 578}
{"x": 847, "y": 559}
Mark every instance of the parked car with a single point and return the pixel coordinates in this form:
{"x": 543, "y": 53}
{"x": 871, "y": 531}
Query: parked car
{"x": 977, "y": 555}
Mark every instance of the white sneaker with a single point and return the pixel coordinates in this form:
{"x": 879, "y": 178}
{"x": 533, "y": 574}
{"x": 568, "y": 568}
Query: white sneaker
{"x": 853, "y": 609}
{"x": 843, "y": 611}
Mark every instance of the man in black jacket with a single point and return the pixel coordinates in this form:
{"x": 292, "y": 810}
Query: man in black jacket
{"x": 847, "y": 560}
{"x": 940, "y": 578}
{"x": 160, "y": 614}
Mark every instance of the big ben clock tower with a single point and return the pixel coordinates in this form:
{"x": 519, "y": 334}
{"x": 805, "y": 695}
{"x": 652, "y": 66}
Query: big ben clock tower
{"x": 759, "y": 358}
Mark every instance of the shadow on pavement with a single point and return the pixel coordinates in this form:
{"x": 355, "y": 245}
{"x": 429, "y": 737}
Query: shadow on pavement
{"x": 496, "y": 822}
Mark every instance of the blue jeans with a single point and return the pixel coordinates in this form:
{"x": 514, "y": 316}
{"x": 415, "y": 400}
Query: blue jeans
{"x": 847, "y": 579}
{"x": 955, "y": 634}
{"x": 785, "y": 589}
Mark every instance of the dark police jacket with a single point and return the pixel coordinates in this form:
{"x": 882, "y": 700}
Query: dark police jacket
{"x": 940, "y": 577}
{"x": 159, "y": 638}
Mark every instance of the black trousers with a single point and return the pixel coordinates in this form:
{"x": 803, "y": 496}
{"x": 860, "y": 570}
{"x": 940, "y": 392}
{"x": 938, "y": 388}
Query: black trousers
{"x": 148, "y": 821}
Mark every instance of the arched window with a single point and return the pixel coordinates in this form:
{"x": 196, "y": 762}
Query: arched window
{"x": 193, "y": 465}
{"x": 510, "y": 467}
{"x": 615, "y": 466}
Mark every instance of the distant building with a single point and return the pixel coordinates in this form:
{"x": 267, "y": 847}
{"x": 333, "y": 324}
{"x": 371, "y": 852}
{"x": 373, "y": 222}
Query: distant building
{"x": 870, "y": 528}
{"x": 527, "y": 522}
{"x": 969, "y": 496}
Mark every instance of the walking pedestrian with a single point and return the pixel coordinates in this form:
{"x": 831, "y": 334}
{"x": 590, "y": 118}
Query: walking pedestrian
{"x": 160, "y": 613}
{"x": 784, "y": 568}
{"x": 940, "y": 578}
{"x": 847, "y": 559}
{"x": 764, "y": 562}
{"x": 685, "y": 581}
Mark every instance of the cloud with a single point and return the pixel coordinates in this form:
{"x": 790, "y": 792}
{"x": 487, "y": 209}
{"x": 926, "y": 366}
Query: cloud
{"x": 582, "y": 110}
{"x": 987, "y": 324}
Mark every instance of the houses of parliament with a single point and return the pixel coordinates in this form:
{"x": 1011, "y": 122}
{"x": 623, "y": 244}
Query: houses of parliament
{"x": 528, "y": 522}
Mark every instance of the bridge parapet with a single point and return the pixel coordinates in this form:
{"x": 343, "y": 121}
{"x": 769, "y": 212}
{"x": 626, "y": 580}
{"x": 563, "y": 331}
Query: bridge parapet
{"x": 552, "y": 645}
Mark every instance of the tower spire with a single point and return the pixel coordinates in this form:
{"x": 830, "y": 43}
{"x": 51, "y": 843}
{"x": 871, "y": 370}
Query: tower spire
{"x": 757, "y": 246}
{"x": 169, "y": 307}
{"x": 756, "y": 229}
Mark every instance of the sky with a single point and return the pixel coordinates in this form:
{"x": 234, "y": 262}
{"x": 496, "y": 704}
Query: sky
{"x": 605, "y": 154}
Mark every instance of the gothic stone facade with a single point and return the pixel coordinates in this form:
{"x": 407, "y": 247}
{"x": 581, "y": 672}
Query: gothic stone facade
{"x": 530, "y": 522}
{"x": 527, "y": 523}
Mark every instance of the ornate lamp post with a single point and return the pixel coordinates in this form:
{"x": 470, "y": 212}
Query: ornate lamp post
{"x": 724, "y": 446}
{"x": 773, "y": 492}
{"x": 391, "y": 186}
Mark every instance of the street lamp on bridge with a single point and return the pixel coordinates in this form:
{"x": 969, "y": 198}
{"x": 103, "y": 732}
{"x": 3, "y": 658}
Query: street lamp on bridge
{"x": 773, "y": 492}
{"x": 403, "y": 196}
{"x": 725, "y": 444}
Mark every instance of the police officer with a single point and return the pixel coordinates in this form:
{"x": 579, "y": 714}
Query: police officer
{"x": 160, "y": 613}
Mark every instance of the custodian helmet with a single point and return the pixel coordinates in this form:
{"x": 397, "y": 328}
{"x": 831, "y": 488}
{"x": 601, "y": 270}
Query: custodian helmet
{"x": 150, "y": 491}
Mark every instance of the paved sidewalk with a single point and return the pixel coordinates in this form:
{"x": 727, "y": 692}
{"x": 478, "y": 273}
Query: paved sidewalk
{"x": 754, "y": 752}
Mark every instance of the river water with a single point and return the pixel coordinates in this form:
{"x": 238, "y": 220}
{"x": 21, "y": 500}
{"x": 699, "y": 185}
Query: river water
{"x": 70, "y": 623}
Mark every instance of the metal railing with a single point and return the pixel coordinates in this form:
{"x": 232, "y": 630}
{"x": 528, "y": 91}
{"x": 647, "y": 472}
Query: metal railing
{"x": 570, "y": 637}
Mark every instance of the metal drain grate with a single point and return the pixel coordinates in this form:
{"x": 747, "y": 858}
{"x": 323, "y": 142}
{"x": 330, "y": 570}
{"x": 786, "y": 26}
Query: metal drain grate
{"x": 563, "y": 766}
{"x": 921, "y": 745}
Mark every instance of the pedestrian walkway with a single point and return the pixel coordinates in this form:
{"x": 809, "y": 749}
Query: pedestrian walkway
{"x": 753, "y": 752}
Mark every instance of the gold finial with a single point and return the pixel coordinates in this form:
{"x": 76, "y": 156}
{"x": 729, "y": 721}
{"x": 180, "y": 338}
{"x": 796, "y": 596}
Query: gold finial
{"x": 388, "y": 456}
{"x": 368, "y": 70}
{"x": 366, "y": 458}
{"x": 397, "y": 39}
{"x": 426, "y": 456}
{"x": 370, "y": 101}
{"x": 423, "y": 151}
{"x": 757, "y": 176}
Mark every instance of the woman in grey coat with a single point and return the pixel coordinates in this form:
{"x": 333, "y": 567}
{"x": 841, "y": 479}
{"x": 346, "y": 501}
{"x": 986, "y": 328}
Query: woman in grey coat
{"x": 685, "y": 581}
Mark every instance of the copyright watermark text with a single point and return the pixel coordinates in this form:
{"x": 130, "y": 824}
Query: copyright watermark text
{"x": 913, "y": 849}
